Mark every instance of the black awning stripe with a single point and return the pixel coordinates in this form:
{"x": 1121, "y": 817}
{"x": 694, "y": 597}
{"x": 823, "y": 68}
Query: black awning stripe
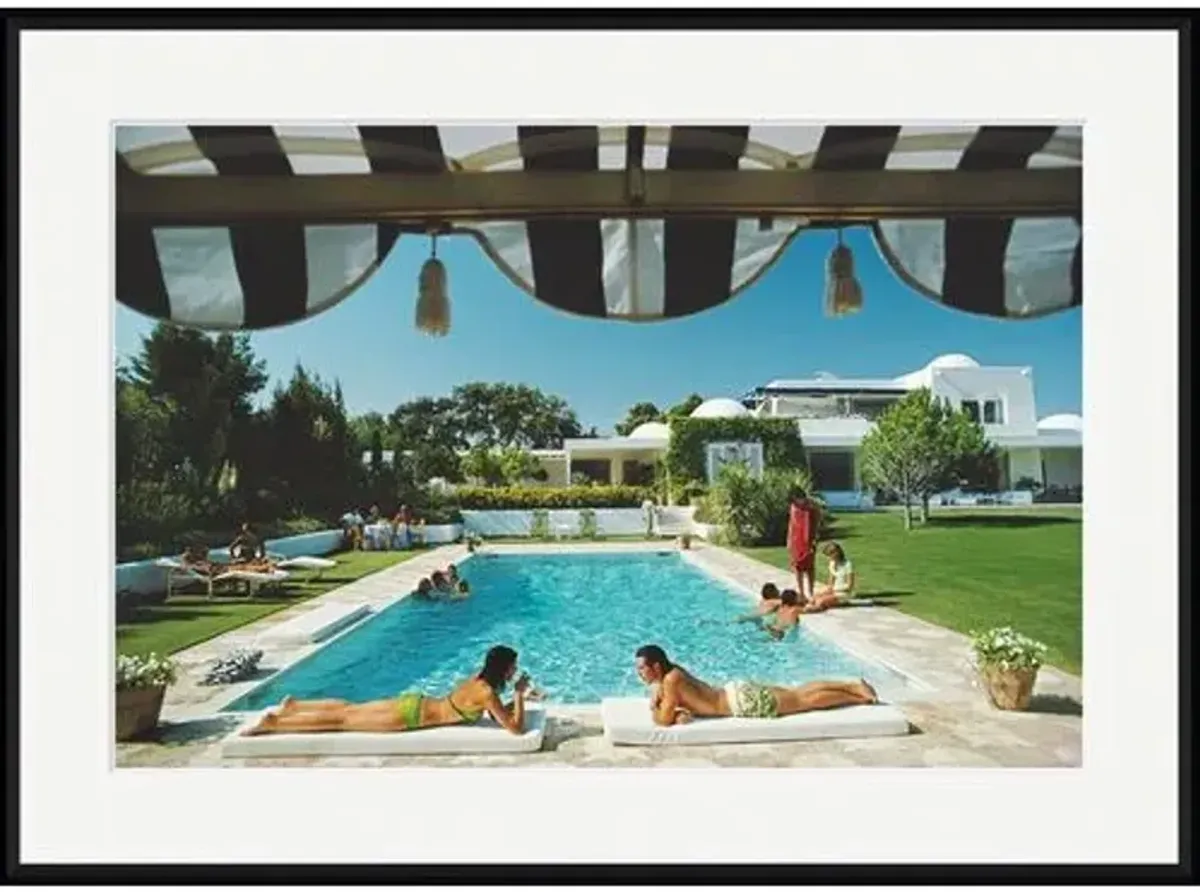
{"x": 855, "y": 147}
{"x": 401, "y": 150}
{"x": 567, "y": 255}
{"x": 139, "y": 279}
{"x": 975, "y": 248}
{"x": 698, "y": 254}
{"x": 271, "y": 258}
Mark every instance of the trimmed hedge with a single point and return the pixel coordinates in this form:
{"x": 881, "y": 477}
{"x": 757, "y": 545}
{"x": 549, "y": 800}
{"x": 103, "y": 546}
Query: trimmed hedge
{"x": 782, "y": 447}
{"x": 527, "y": 498}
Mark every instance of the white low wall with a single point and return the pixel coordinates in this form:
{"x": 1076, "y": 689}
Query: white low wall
{"x": 968, "y": 500}
{"x": 442, "y": 534}
{"x": 609, "y": 521}
{"x": 848, "y": 499}
{"x": 143, "y": 578}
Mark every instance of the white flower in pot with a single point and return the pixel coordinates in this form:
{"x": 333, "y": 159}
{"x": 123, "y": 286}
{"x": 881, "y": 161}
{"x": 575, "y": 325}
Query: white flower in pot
{"x": 141, "y": 682}
{"x": 1008, "y": 664}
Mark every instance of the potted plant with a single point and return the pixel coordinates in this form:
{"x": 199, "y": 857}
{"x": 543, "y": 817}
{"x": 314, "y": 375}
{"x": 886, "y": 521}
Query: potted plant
{"x": 141, "y": 683}
{"x": 1008, "y": 664}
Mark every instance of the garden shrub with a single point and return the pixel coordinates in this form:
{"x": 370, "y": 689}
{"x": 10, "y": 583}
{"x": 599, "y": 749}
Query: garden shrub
{"x": 527, "y": 498}
{"x": 588, "y": 528}
{"x": 685, "y": 460}
{"x": 750, "y": 511}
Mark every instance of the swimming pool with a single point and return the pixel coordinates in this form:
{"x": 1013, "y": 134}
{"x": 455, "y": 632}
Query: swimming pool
{"x": 575, "y": 620}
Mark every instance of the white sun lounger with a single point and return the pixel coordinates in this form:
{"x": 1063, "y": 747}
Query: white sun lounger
{"x": 483, "y": 738}
{"x": 316, "y": 565}
{"x": 253, "y": 580}
{"x": 179, "y": 572}
{"x": 627, "y": 722}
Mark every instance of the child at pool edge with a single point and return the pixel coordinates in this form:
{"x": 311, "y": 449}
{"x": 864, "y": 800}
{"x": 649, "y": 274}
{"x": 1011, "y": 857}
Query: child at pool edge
{"x": 441, "y": 583}
{"x": 464, "y": 591}
{"x": 424, "y": 589}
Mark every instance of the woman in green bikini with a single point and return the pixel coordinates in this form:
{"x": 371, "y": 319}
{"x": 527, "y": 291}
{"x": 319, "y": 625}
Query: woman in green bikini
{"x": 466, "y": 704}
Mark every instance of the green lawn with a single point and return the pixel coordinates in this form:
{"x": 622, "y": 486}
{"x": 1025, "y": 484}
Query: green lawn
{"x": 190, "y": 619}
{"x": 971, "y": 570}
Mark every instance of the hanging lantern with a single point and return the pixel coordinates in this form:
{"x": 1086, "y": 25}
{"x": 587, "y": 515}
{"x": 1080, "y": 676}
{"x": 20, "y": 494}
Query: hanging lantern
{"x": 433, "y": 298}
{"x": 843, "y": 294}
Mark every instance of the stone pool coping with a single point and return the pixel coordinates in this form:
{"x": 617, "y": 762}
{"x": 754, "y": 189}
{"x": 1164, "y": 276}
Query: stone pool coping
{"x": 957, "y": 726}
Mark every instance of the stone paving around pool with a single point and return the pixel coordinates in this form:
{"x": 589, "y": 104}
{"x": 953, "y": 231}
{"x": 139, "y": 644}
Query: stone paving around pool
{"x": 953, "y": 724}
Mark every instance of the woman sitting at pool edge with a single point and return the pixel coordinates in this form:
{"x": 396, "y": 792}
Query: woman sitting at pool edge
{"x": 465, "y": 705}
{"x": 840, "y": 587}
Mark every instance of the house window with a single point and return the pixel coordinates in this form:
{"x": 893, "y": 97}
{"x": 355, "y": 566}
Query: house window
{"x": 993, "y": 412}
{"x": 832, "y": 470}
{"x": 971, "y": 409}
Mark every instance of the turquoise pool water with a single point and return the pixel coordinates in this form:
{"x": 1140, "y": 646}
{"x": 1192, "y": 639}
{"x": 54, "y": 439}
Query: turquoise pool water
{"x": 575, "y": 620}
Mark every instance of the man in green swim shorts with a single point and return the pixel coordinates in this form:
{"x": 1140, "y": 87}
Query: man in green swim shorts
{"x": 677, "y": 696}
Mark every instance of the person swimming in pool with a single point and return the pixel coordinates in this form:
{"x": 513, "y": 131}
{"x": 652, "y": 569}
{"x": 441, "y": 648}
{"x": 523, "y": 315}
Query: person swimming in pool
{"x": 462, "y": 591}
{"x": 441, "y": 583}
{"x": 452, "y": 574}
{"x": 466, "y": 704}
{"x": 678, "y": 696}
{"x": 787, "y": 617}
{"x": 767, "y": 605}
{"x": 424, "y": 589}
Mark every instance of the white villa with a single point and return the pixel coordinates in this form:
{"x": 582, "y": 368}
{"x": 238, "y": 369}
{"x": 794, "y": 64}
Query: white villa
{"x": 834, "y": 414}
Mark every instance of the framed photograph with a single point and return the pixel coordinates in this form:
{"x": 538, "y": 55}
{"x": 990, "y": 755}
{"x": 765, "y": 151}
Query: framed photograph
{"x": 558, "y": 272}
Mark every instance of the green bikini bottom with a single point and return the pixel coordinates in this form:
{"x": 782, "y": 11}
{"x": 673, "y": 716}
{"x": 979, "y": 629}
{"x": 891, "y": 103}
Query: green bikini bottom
{"x": 408, "y": 710}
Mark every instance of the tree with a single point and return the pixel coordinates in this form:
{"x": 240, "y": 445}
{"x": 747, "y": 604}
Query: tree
{"x": 209, "y": 383}
{"x": 638, "y": 414}
{"x": 506, "y": 415}
{"x": 312, "y": 464}
{"x": 500, "y": 467}
{"x": 142, "y": 426}
{"x": 427, "y": 437}
{"x": 685, "y": 408}
{"x": 918, "y": 447}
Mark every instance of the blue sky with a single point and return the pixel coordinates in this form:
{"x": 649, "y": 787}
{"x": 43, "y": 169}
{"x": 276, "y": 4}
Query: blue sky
{"x": 775, "y": 329}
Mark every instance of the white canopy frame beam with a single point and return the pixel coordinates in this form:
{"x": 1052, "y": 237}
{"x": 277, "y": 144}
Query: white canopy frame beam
{"x": 426, "y": 199}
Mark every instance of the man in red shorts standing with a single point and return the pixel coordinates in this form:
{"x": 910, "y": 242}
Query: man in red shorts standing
{"x": 802, "y": 540}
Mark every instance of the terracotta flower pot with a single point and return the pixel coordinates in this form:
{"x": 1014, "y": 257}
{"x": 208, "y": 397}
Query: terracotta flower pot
{"x": 138, "y": 711}
{"x": 1008, "y": 688}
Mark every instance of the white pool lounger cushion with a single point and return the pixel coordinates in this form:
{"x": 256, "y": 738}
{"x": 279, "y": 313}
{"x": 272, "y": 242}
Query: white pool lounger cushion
{"x": 484, "y": 737}
{"x": 306, "y": 563}
{"x": 627, "y": 722}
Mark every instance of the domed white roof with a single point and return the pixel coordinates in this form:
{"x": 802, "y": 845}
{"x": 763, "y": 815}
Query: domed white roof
{"x": 720, "y": 407}
{"x": 953, "y": 361}
{"x": 1064, "y": 422}
{"x": 923, "y": 377}
{"x": 651, "y": 430}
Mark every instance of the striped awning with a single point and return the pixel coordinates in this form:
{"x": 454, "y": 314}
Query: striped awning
{"x": 247, "y": 271}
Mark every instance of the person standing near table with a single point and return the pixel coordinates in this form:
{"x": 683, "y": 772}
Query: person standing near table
{"x": 802, "y": 540}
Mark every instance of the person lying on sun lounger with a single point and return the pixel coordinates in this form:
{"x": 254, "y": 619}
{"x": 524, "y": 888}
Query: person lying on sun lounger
{"x": 840, "y": 587}
{"x": 195, "y": 557}
{"x": 767, "y": 605}
{"x": 678, "y": 696}
{"x": 466, "y": 704}
{"x": 786, "y": 617}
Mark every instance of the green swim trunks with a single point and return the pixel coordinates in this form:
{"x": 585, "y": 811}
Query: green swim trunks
{"x": 408, "y": 710}
{"x": 750, "y": 700}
